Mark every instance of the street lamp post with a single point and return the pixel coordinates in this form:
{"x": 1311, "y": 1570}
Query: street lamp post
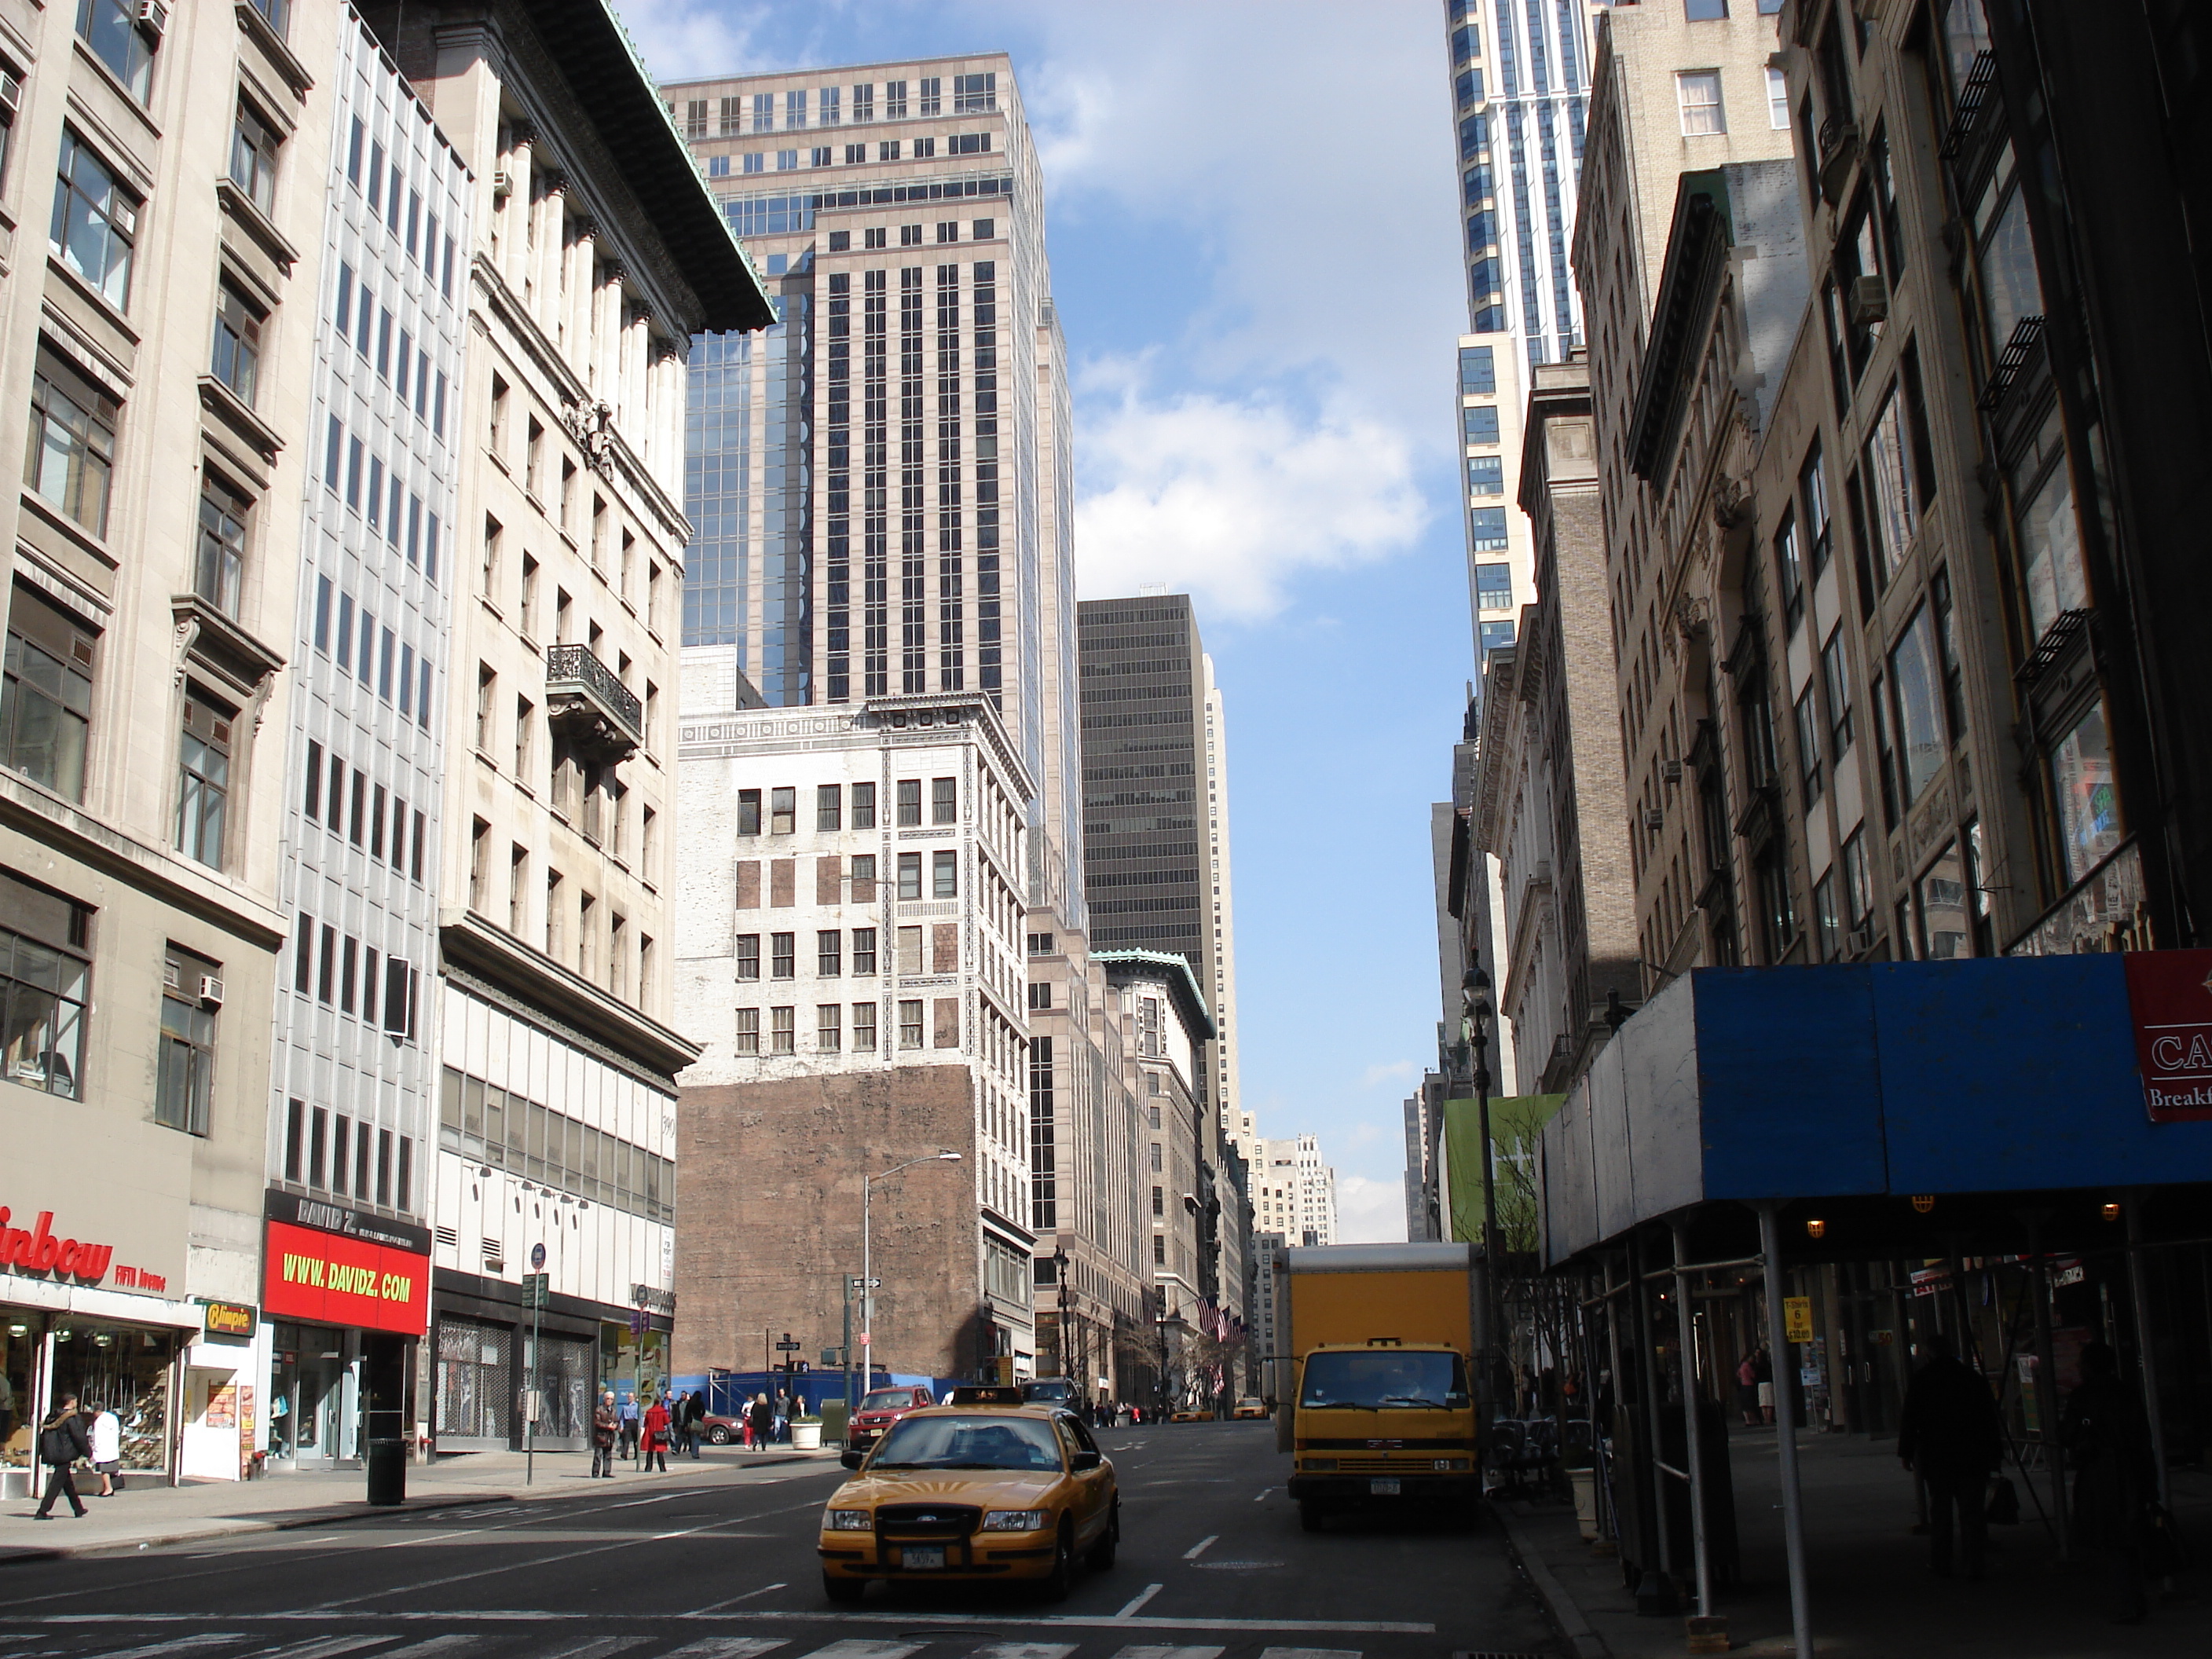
{"x": 1476, "y": 995}
{"x": 868, "y": 1260}
{"x": 1060, "y": 1298}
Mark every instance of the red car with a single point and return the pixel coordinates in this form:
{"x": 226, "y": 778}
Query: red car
{"x": 880, "y": 1409}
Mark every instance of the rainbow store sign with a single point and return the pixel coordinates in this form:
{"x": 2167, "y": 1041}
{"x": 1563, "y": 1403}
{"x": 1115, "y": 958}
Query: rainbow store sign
{"x": 39, "y": 1250}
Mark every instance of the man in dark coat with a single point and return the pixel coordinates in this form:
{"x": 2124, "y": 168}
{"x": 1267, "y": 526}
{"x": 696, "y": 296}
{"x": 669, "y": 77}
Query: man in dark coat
{"x": 62, "y": 1443}
{"x": 2106, "y": 1437}
{"x": 1952, "y": 1436}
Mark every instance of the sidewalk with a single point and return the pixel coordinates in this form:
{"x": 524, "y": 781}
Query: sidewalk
{"x": 1871, "y": 1590}
{"x": 144, "y": 1515}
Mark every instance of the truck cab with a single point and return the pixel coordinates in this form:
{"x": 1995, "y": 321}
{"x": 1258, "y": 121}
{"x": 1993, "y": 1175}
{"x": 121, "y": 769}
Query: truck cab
{"x": 1383, "y": 1423}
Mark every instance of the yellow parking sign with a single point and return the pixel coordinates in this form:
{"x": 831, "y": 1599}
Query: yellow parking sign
{"x": 1797, "y": 1318}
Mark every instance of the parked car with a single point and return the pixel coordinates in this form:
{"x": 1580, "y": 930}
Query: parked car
{"x": 1191, "y": 1414}
{"x": 1051, "y": 1391}
{"x": 881, "y": 1408}
{"x": 1250, "y": 1406}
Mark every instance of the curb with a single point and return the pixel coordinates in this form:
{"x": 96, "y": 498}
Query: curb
{"x": 298, "y": 1520}
{"x": 1565, "y": 1615}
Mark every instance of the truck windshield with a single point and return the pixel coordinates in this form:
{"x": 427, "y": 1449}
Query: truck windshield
{"x": 1385, "y": 1379}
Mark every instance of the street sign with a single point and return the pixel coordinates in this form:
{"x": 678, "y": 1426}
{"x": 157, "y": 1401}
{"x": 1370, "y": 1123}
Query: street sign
{"x": 789, "y": 1346}
{"x": 533, "y": 1291}
{"x": 860, "y": 1283}
{"x": 537, "y": 1258}
{"x": 637, "y": 1323}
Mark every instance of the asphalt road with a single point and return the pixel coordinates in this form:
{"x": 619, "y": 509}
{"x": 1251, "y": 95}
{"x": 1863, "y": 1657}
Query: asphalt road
{"x": 1212, "y": 1566}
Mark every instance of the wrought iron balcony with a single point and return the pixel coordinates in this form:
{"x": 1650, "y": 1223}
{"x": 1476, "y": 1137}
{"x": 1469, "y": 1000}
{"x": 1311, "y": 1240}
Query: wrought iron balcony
{"x": 598, "y": 716}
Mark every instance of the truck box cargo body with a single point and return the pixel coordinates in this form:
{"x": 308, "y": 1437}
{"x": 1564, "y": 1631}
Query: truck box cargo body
{"x": 1381, "y": 1409}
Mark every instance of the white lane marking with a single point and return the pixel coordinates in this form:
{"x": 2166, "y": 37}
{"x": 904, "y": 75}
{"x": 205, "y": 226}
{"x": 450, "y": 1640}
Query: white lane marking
{"x": 727, "y": 1647}
{"x": 658, "y": 1497}
{"x": 1309, "y": 1653}
{"x": 182, "y": 1645}
{"x": 1199, "y": 1548}
{"x": 1233, "y": 1566}
{"x": 328, "y": 1647}
{"x": 1150, "y": 1591}
{"x": 433, "y": 1645}
{"x": 698, "y": 1612}
{"x": 858, "y": 1649}
{"x": 597, "y": 1647}
{"x": 841, "y": 1616}
{"x": 1262, "y": 1496}
{"x": 397, "y": 1591}
{"x": 1024, "y": 1651}
{"x": 1169, "y": 1653}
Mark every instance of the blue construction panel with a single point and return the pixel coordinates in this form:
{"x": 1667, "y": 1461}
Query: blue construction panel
{"x": 2011, "y": 1076}
{"x": 1790, "y": 1083}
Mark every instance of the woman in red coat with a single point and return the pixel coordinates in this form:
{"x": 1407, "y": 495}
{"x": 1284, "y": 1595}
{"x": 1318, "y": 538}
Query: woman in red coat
{"x": 655, "y": 1440}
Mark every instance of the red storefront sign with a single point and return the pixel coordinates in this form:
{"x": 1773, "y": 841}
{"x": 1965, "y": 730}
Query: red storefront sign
{"x": 2170, "y": 997}
{"x": 39, "y": 1249}
{"x": 328, "y": 1279}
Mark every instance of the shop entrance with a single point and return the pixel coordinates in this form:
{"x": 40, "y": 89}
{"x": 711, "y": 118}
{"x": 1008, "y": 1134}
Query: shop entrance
{"x": 315, "y": 1406}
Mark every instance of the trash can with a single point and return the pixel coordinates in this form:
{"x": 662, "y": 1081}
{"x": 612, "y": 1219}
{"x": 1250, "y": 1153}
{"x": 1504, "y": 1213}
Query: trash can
{"x": 387, "y": 1470}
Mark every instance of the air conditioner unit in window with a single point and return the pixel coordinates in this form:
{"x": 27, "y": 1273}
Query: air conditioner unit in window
{"x": 211, "y": 990}
{"x": 1654, "y": 818}
{"x": 1862, "y": 937}
{"x": 502, "y": 183}
{"x": 152, "y": 17}
{"x": 11, "y": 91}
{"x": 123, "y": 217}
{"x": 1670, "y": 771}
{"x": 1869, "y": 299}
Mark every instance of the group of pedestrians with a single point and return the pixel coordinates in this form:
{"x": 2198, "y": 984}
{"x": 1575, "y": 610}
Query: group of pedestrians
{"x": 75, "y": 1435}
{"x": 625, "y": 1430}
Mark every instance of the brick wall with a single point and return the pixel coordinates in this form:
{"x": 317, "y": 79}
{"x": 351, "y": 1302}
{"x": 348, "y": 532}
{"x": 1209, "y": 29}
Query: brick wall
{"x": 770, "y": 1207}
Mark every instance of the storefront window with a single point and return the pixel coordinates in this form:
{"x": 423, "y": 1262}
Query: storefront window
{"x": 313, "y": 1395}
{"x": 2088, "y": 811}
{"x": 127, "y": 1369}
{"x": 473, "y": 1386}
{"x": 20, "y": 1336}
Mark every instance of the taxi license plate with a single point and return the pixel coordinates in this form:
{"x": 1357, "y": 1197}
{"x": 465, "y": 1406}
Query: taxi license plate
{"x": 929, "y": 1555}
{"x": 1382, "y": 1489}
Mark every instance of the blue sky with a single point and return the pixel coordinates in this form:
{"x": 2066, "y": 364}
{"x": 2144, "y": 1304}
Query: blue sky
{"x": 1255, "y": 259}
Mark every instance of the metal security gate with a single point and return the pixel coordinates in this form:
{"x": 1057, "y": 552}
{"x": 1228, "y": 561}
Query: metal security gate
{"x": 565, "y": 1420}
{"x": 476, "y": 1385}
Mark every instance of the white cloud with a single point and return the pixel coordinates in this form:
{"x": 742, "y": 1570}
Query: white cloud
{"x": 1370, "y": 1212}
{"x": 680, "y": 39}
{"x": 1404, "y": 1071}
{"x": 1230, "y": 500}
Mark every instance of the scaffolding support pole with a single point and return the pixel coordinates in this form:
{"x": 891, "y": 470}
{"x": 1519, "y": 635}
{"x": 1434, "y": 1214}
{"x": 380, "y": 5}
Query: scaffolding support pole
{"x": 1692, "y": 1417}
{"x": 2146, "y": 1357}
{"x": 1785, "y": 1431}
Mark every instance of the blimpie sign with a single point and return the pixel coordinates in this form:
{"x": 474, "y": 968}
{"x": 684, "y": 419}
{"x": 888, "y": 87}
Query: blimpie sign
{"x": 2170, "y": 997}
{"x": 330, "y": 1280}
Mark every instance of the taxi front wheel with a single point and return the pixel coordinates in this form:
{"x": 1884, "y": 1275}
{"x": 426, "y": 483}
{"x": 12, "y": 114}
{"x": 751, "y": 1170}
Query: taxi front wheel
{"x": 844, "y": 1592}
{"x": 1101, "y": 1553}
{"x": 1058, "y": 1586}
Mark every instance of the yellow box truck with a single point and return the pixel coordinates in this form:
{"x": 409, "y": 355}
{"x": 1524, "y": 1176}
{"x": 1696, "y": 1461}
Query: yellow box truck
{"x": 1380, "y": 1410}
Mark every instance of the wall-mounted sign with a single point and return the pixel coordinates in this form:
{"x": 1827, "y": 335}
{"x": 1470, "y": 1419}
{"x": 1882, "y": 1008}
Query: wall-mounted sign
{"x": 2170, "y": 997}
{"x": 39, "y": 1248}
{"x": 1797, "y": 1319}
{"x": 324, "y": 1217}
{"x": 230, "y": 1321}
{"x": 331, "y": 1279}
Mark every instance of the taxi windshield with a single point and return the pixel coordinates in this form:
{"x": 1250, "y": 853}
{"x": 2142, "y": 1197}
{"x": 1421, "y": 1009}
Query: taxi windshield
{"x": 888, "y": 1400}
{"x": 969, "y": 1443}
{"x": 1384, "y": 1379}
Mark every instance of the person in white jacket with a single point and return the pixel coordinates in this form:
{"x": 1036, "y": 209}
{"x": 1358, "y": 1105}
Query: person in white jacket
{"x": 106, "y": 1448}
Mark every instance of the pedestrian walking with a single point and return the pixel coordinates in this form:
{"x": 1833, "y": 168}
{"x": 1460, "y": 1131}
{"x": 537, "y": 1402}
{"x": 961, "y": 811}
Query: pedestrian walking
{"x": 763, "y": 1420}
{"x": 2104, "y": 1434}
{"x": 1762, "y": 1371}
{"x": 1747, "y": 1388}
{"x": 654, "y": 1436}
{"x": 606, "y": 1424}
{"x": 62, "y": 1443}
{"x": 1951, "y": 1437}
{"x": 694, "y": 1418}
{"x": 106, "y": 1437}
{"x": 629, "y": 1425}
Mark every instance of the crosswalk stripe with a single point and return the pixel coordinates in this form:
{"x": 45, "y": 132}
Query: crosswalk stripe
{"x": 324, "y": 1647}
{"x": 1169, "y": 1653}
{"x": 434, "y": 1647}
{"x": 597, "y": 1647}
{"x": 865, "y": 1650}
{"x": 1309, "y": 1653}
{"x": 181, "y": 1644}
{"x": 1024, "y": 1651}
{"x": 726, "y": 1647}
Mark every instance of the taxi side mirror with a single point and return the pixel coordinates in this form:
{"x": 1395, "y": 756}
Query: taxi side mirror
{"x": 852, "y": 1459}
{"x": 1086, "y": 1460}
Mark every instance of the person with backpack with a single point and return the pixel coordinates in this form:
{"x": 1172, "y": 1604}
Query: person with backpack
{"x": 62, "y": 1443}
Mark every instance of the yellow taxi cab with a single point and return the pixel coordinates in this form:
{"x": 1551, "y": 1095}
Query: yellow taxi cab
{"x": 987, "y": 1487}
{"x": 1250, "y": 1406}
{"x": 1190, "y": 1414}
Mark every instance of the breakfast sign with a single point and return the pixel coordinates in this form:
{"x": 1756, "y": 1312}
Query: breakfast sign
{"x": 2170, "y": 1000}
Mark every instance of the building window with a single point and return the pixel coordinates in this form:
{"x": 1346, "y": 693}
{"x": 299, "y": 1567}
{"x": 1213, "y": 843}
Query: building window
{"x": 95, "y": 221}
{"x": 748, "y": 955}
{"x": 909, "y": 951}
{"x": 864, "y": 1027}
{"x": 783, "y": 955}
{"x": 973, "y": 94}
{"x": 2089, "y": 808}
{"x": 1890, "y": 498}
{"x": 1705, "y": 12}
{"x": 1485, "y": 529}
{"x": 945, "y": 800}
{"x": 1809, "y": 746}
{"x": 237, "y": 356}
{"x": 1838, "y": 687}
{"x": 45, "y": 698}
{"x": 829, "y": 952}
{"x": 1159, "y": 1247}
{"x": 1777, "y": 101}
{"x": 184, "y": 1076}
{"x": 1041, "y": 997}
{"x": 71, "y": 452}
{"x": 749, "y": 812}
{"x": 1913, "y": 679}
{"x": 782, "y": 812}
{"x": 1486, "y": 475}
{"x": 1478, "y": 372}
{"x": 1942, "y": 902}
{"x": 1697, "y": 94}
{"x": 1479, "y": 423}
{"x": 864, "y": 806}
{"x": 945, "y": 875}
{"x": 783, "y": 1031}
{"x": 1813, "y": 492}
{"x": 1493, "y": 586}
{"x": 202, "y": 779}
{"x": 909, "y": 876}
{"x": 46, "y": 974}
{"x": 122, "y": 34}
{"x": 863, "y": 865}
{"x": 254, "y": 145}
{"x": 218, "y": 572}
{"x": 747, "y": 1040}
{"x": 864, "y": 952}
{"x": 1858, "y": 884}
{"x": 909, "y": 803}
{"x": 910, "y": 1024}
{"x": 829, "y": 1034}
{"x": 828, "y": 810}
